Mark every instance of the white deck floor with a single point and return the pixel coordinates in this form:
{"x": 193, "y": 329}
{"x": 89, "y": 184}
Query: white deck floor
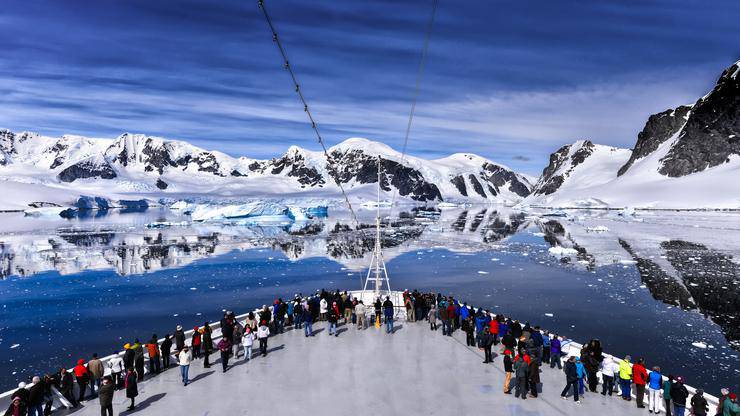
{"x": 412, "y": 372}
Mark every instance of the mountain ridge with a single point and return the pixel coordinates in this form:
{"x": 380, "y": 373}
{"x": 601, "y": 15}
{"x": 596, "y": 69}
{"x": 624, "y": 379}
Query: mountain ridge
{"x": 140, "y": 163}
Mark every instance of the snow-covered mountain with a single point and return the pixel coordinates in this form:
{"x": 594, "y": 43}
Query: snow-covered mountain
{"x": 687, "y": 157}
{"x": 579, "y": 165}
{"x": 41, "y": 168}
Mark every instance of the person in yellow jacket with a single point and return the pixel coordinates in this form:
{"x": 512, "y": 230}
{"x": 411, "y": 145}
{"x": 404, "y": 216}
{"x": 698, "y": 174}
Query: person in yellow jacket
{"x": 625, "y": 378}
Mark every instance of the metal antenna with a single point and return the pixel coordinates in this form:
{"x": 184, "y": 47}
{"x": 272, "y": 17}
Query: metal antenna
{"x": 377, "y": 263}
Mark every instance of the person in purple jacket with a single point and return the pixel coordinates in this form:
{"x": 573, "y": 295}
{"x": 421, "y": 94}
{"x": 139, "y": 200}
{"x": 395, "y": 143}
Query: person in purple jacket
{"x": 555, "y": 352}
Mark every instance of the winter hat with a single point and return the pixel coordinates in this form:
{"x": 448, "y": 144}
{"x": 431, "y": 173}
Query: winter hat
{"x": 195, "y": 329}
{"x": 725, "y": 391}
{"x": 126, "y": 346}
{"x": 507, "y": 352}
{"x": 179, "y": 328}
{"x": 21, "y": 385}
{"x": 733, "y": 396}
{"x": 679, "y": 379}
{"x": 80, "y": 361}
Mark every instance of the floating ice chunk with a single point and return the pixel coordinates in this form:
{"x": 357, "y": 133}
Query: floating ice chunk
{"x": 165, "y": 224}
{"x": 699, "y": 344}
{"x": 375, "y": 204}
{"x": 447, "y": 205}
{"x": 627, "y": 212}
{"x": 562, "y": 251}
{"x": 597, "y": 229}
{"x": 14, "y": 346}
{"x": 183, "y": 206}
{"x": 628, "y": 261}
{"x": 482, "y": 272}
{"x": 44, "y": 212}
{"x": 549, "y": 315}
{"x": 538, "y": 234}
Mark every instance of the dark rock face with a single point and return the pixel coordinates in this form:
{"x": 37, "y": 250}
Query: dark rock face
{"x": 496, "y": 176}
{"x": 295, "y": 166}
{"x": 659, "y": 128}
{"x": 207, "y": 162}
{"x": 161, "y": 184}
{"x": 477, "y": 187}
{"x": 156, "y": 157}
{"x": 581, "y": 154}
{"x": 459, "y": 183}
{"x": 59, "y": 148}
{"x": 712, "y": 132}
{"x": 87, "y": 169}
{"x": 550, "y": 181}
{"x": 42, "y": 204}
{"x": 355, "y": 164}
{"x": 7, "y": 141}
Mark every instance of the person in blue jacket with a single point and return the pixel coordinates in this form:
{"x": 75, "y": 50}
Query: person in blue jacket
{"x": 503, "y": 326}
{"x": 655, "y": 384}
{"x": 581, "y": 370}
{"x": 464, "y": 312}
{"x": 307, "y": 319}
{"x": 388, "y": 313}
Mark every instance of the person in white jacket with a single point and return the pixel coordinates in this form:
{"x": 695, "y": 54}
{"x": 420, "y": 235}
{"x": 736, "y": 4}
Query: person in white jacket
{"x": 247, "y": 342}
{"x": 609, "y": 373}
{"x": 116, "y": 370}
{"x": 323, "y": 309}
{"x": 360, "y": 313}
{"x": 184, "y": 358}
{"x": 262, "y": 333}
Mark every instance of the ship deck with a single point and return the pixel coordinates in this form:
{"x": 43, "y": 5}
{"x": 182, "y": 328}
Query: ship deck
{"x": 413, "y": 371}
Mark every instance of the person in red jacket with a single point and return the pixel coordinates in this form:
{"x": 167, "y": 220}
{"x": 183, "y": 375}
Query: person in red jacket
{"x": 451, "y": 311}
{"x": 195, "y": 342}
{"x": 493, "y": 329}
{"x": 640, "y": 377}
{"x": 83, "y": 377}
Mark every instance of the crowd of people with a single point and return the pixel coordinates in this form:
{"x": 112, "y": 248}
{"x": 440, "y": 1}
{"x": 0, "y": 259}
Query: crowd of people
{"x": 525, "y": 350}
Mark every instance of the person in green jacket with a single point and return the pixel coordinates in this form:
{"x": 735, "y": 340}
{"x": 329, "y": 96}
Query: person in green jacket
{"x": 667, "y": 394}
{"x": 731, "y": 407}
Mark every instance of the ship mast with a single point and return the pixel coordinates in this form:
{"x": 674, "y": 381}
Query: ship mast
{"x": 377, "y": 264}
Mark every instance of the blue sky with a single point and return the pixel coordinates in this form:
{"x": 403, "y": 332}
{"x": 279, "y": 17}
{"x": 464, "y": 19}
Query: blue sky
{"x": 509, "y": 80}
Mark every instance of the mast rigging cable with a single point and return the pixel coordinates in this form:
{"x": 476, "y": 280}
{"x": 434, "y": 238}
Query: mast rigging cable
{"x": 417, "y": 89}
{"x": 286, "y": 65}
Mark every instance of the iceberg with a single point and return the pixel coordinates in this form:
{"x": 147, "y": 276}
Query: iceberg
{"x": 256, "y": 212}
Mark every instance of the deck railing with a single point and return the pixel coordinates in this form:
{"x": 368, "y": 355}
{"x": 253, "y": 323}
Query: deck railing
{"x": 569, "y": 348}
